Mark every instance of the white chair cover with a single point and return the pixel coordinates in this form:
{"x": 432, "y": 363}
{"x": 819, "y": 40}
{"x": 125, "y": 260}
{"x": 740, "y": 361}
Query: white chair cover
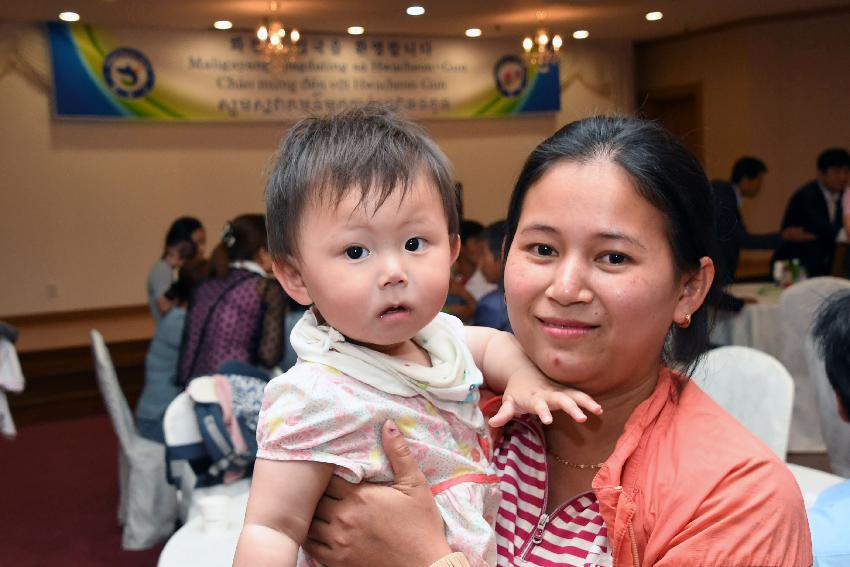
{"x": 11, "y": 380}
{"x": 836, "y": 432}
{"x": 798, "y": 305}
{"x": 754, "y": 387}
{"x": 180, "y": 426}
{"x": 147, "y": 503}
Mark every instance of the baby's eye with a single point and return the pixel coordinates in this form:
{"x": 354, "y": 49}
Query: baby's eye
{"x": 543, "y": 250}
{"x": 615, "y": 258}
{"x": 356, "y": 252}
{"x": 414, "y": 244}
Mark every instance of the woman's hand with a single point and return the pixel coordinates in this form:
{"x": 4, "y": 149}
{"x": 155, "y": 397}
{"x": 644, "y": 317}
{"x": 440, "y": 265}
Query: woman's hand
{"x": 529, "y": 391}
{"x": 373, "y": 525}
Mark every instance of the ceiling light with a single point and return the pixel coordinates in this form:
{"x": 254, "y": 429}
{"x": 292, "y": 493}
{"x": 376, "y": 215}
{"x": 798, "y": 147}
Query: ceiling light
{"x": 69, "y": 17}
{"x": 654, "y": 16}
{"x": 415, "y": 10}
{"x": 223, "y": 24}
{"x": 581, "y": 34}
{"x": 473, "y": 32}
{"x": 356, "y": 30}
{"x": 542, "y": 50}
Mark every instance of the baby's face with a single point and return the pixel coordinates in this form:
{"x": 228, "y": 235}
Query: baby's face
{"x": 378, "y": 276}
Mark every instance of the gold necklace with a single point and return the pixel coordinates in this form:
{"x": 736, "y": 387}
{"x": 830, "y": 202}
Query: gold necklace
{"x": 563, "y": 461}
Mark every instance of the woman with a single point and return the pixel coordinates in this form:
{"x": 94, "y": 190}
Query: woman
{"x": 609, "y": 264}
{"x": 186, "y": 239}
{"x": 164, "y": 352}
{"x": 238, "y": 314}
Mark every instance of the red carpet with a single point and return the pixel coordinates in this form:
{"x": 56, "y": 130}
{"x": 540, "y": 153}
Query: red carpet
{"x": 59, "y": 497}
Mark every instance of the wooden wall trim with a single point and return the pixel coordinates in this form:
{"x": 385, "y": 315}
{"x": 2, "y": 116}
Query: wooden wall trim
{"x": 744, "y": 22}
{"x": 74, "y": 315}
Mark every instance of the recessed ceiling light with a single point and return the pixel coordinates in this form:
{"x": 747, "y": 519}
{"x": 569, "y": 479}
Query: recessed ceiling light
{"x": 654, "y": 16}
{"x": 415, "y": 10}
{"x": 356, "y": 30}
{"x": 473, "y": 32}
{"x": 69, "y": 17}
{"x": 223, "y": 25}
{"x": 581, "y": 34}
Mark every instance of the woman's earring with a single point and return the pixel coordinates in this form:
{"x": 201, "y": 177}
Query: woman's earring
{"x": 686, "y": 323}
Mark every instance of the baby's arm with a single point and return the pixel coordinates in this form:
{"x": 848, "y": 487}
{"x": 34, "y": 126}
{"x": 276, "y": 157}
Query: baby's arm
{"x": 507, "y": 369}
{"x": 283, "y": 499}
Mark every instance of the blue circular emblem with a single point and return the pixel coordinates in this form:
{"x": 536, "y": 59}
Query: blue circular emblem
{"x": 128, "y": 73}
{"x": 511, "y": 75}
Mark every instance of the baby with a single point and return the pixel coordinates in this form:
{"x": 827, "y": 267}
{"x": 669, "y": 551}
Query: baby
{"x": 363, "y": 226}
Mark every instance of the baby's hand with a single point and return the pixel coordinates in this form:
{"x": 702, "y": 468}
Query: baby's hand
{"x": 532, "y": 392}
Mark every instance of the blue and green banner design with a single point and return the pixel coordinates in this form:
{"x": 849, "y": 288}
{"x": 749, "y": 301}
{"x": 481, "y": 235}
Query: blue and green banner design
{"x": 164, "y": 75}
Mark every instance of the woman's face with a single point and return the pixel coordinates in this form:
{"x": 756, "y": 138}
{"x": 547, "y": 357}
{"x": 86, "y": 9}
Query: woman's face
{"x": 199, "y": 237}
{"x": 590, "y": 283}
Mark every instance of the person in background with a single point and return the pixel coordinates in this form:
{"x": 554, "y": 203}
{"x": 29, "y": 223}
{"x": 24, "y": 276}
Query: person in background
{"x": 818, "y": 209}
{"x": 460, "y": 301}
{"x": 238, "y": 314}
{"x": 491, "y": 310}
{"x": 830, "y": 515}
{"x": 186, "y": 238}
{"x": 160, "y": 386}
{"x": 732, "y": 234}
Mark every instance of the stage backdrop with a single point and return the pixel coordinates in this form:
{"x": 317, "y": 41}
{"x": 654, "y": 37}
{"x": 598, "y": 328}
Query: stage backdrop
{"x": 142, "y": 74}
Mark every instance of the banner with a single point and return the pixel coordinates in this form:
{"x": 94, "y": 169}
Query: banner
{"x": 169, "y": 75}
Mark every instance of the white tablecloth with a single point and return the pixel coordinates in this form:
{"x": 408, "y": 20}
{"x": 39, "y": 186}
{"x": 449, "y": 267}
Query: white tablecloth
{"x": 759, "y": 325}
{"x": 193, "y": 546}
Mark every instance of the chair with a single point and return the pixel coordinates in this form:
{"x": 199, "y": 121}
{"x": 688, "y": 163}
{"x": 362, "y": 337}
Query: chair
{"x": 147, "y": 504}
{"x": 752, "y": 386}
{"x": 798, "y": 305}
{"x": 836, "y": 433}
{"x": 183, "y": 441}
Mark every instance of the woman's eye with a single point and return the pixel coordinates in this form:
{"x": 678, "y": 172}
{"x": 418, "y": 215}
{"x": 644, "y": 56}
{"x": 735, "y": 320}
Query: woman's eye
{"x": 356, "y": 252}
{"x": 543, "y": 250}
{"x": 414, "y": 244}
{"x": 615, "y": 258}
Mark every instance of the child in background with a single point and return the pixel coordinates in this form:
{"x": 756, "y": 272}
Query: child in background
{"x": 363, "y": 226}
{"x": 491, "y": 310}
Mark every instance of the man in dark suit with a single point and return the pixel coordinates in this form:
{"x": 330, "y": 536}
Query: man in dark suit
{"x": 817, "y": 208}
{"x": 732, "y": 234}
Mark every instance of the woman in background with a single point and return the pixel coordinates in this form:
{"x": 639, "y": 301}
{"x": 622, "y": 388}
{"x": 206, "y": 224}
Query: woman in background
{"x": 186, "y": 238}
{"x": 164, "y": 352}
{"x": 238, "y": 314}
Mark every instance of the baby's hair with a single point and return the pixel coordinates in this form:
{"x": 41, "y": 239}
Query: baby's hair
{"x": 370, "y": 149}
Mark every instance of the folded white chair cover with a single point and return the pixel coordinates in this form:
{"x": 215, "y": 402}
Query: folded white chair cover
{"x": 754, "y": 387}
{"x": 147, "y": 503}
{"x": 836, "y": 432}
{"x": 798, "y": 305}
{"x": 11, "y": 380}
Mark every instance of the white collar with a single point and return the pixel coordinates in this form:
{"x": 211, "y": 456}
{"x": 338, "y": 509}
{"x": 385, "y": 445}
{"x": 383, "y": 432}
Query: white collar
{"x": 249, "y": 265}
{"x": 829, "y": 195}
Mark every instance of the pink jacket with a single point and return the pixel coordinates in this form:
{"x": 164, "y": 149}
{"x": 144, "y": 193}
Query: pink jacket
{"x": 687, "y": 485}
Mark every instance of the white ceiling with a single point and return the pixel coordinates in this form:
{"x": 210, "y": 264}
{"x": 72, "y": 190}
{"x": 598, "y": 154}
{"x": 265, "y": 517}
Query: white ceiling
{"x": 605, "y": 19}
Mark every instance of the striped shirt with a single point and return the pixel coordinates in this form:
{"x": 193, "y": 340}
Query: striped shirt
{"x": 572, "y": 534}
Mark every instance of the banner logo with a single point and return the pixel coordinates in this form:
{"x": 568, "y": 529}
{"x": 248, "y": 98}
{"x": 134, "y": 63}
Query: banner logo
{"x": 128, "y": 73}
{"x": 511, "y": 75}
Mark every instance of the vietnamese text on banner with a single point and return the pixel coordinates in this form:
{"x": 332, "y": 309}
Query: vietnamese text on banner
{"x": 143, "y": 74}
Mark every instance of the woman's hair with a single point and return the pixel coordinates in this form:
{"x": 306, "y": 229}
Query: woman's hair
{"x": 180, "y": 231}
{"x": 369, "y": 149}
{"x": 189, "y": 276}
{"x": 664, "y": 173}
{"x": 241, "y": 239}
{"x": 831, "y": 333}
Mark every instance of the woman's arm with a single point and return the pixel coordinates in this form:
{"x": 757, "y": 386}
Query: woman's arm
{"x": 284, "y": 495}
{"x": 374, "y": 525}
{"x": 526, "y": 389}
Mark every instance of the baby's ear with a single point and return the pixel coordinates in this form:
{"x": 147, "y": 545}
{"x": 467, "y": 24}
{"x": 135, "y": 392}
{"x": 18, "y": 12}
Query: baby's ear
{"x": 454, "y": 242}
{"x": 289, "y": 276}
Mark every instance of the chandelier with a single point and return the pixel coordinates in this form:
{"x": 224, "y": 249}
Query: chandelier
{"x": 273, "y": 41}
{"x": 542, "y": 51}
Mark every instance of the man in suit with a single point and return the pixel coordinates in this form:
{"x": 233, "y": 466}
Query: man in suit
{"x": 817, "y": 208}
{"x": 732, "y": 234}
